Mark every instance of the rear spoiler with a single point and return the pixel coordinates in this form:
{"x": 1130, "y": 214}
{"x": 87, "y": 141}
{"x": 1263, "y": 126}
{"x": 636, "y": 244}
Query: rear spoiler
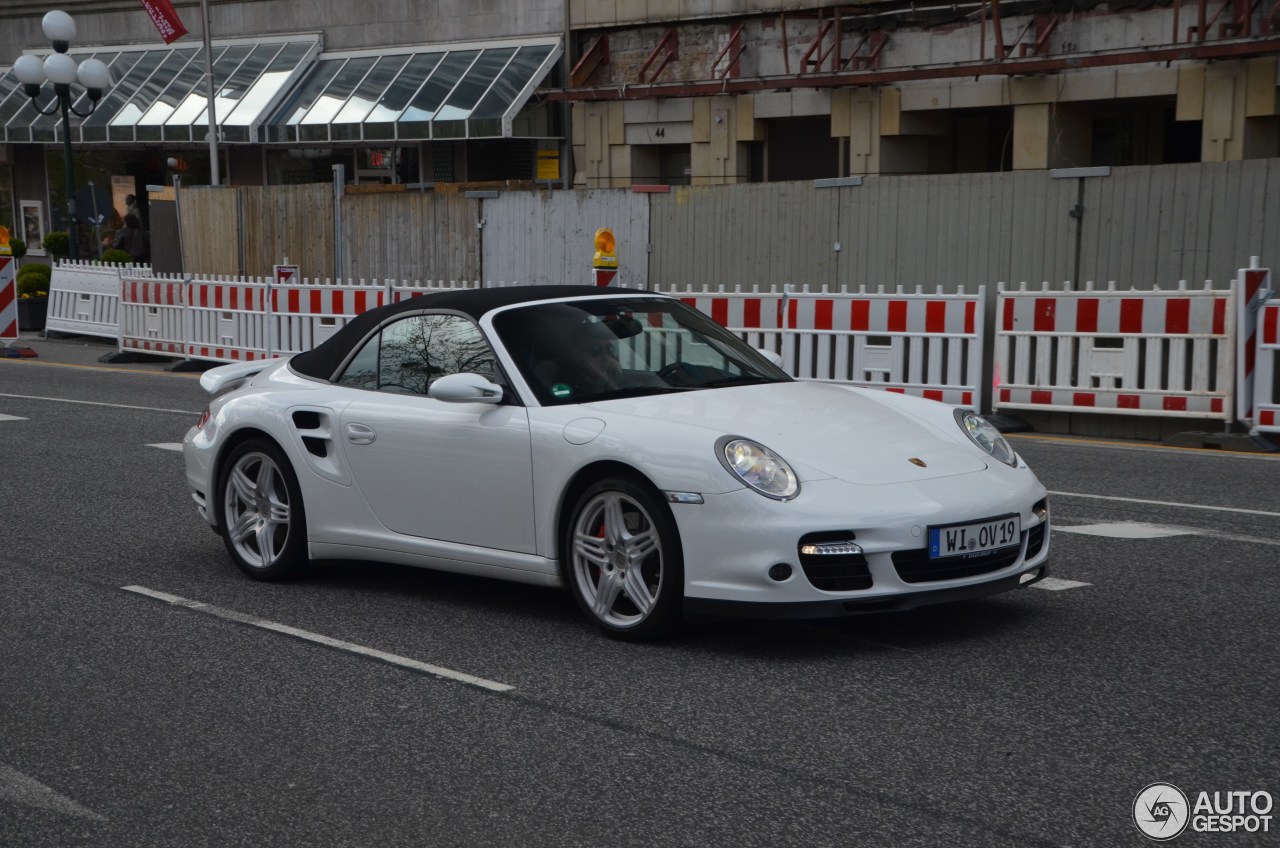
{"x": 224, "y": 378}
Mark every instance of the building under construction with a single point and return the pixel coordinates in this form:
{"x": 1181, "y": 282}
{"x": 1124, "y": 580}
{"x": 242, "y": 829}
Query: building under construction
{"x": 612, "y": 94}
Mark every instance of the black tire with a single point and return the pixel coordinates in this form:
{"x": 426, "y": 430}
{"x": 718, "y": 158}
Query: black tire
{"x": 623, "y": 561}
{"x": 260, "y": 507}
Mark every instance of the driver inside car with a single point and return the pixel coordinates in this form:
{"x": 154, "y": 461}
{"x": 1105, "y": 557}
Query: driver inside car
{"x": 596, "y": 361}
{"x": 587, "y": 364}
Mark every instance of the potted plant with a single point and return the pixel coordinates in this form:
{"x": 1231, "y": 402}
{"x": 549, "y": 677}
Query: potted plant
{"x": 58, "y": 243}
{"x": 33, "y": 296}
{"x": 18, "y": 248}
{"x": 116, "y": 256}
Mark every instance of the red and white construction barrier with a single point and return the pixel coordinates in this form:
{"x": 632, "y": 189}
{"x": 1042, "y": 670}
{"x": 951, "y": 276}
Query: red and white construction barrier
{"x": 305, "y": 313}
{"x": 1155, "y": 353}
{"x": 1254, "y": 285}
{"x": 927, "y": 344}
{"x": 154, "y": 317}
{"x": 242, "y": 320}
{"x": 228, "y": 320}
{"x": 1266, "y": 379}
{"x": 403, "y": 289}
{"x": 8, "y": 299}
{"x": 225, "y": 319}
{"x": 755, "y": 316}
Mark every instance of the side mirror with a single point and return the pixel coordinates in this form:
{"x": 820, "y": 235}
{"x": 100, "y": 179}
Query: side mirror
{"x": 774, "y": 358}
{"x": 465, "y": 388}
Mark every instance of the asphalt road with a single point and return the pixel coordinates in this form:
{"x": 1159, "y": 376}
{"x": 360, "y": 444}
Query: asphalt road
{"x": 1029, "y": 719}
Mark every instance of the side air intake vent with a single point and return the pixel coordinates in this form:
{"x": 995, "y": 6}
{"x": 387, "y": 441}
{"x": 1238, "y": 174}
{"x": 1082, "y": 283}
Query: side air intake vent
{"x": 305, "y": 419}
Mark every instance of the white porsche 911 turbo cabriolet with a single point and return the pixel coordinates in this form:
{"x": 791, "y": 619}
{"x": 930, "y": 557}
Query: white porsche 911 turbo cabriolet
{"x": 617, "y": 443}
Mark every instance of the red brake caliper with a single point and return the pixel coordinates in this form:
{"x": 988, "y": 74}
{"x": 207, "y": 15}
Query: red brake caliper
{"x": 599, "y": 535}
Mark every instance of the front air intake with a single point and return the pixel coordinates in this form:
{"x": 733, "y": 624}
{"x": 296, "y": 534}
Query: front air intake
{"x": 834, "y": 562}
{"x": 916, "y": 566}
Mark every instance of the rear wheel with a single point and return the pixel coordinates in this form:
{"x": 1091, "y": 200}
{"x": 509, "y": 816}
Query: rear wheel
{"x": 263, "y": 523}
{"x": 624, "y": 562}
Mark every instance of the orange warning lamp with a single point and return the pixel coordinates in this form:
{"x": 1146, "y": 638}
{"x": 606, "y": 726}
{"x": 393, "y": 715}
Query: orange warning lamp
{"x": 5, "y": 250}
{"x": 605, "y": 249}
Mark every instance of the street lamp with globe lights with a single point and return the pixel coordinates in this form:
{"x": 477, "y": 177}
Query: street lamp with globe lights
{"x": 61, "y": 70}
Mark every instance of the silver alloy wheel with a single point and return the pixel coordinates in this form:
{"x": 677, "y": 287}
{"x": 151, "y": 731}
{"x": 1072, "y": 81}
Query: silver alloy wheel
{"x": 617, "y": 559}
{"x": 256, "y": 510}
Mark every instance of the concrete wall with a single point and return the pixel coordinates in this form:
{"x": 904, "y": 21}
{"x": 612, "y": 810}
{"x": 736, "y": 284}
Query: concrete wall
{"x": 774, "y": 47}
{"x": 600, "y": 13}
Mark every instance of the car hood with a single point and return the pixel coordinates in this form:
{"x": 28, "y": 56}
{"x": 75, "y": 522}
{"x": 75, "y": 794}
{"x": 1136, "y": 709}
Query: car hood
{"x": 822, "y": 430}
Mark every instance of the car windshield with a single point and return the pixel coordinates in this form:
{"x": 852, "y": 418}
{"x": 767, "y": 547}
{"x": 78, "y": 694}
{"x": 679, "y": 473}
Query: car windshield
{"x": 590, "y": 350}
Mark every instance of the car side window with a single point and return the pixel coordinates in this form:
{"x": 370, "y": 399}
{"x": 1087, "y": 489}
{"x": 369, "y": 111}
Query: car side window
{"x": 362, "y": 371}
{"x": 411, "y": 354}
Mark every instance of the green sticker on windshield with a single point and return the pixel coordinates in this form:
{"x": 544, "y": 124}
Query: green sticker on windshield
{"x": 561, "y": 390}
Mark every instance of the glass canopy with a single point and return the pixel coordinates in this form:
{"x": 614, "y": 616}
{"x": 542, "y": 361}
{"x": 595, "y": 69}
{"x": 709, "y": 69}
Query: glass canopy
{"x": 158, "y": 94}
{"x": 416, "y": 93}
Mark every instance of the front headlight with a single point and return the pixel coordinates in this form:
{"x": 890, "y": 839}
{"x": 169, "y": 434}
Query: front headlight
{"x": 986, "y": 436}
{"x": 758, "y": 467}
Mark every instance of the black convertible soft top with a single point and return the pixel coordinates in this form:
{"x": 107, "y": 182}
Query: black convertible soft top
{"x": 324, "y": 359}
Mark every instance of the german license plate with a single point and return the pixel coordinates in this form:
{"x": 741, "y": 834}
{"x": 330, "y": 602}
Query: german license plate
{"x": 975, "y": 538}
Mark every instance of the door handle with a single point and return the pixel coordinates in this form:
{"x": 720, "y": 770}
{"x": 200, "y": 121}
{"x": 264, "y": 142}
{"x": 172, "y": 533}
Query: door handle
{"x": 359, "y": 434}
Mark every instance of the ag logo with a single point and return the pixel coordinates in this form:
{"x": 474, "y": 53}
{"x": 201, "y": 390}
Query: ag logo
{"x": 1161, "y": 812}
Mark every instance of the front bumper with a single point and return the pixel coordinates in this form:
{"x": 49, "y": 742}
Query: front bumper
{"x": 842, "y": 607}
{"x": 731, "y": 542}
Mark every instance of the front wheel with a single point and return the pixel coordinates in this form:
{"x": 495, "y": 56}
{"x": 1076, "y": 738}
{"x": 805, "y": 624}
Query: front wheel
{"x": 263, "y": 524}
{"x": 624, "y": 562}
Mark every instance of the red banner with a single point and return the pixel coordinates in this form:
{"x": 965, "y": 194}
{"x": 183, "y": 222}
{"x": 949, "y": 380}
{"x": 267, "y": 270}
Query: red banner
{"x": 166, "y": 19}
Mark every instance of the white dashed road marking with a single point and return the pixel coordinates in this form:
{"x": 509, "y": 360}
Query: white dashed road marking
{"x": 349, "y": 647}
{"x": 1165, "y": 503}
{"x": 17, "y": 787}
{"x": 1140, "y": 530}
{"x": 170, "y": 446}
{"x": 1053, "y": 584}
{"x": 11, "y": 418}
{"x": 1126, "y": 530}
{"x": 97, "y": 403}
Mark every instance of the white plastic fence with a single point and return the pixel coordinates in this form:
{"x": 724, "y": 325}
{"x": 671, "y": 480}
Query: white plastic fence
{"x": 921, "y": 343}
{"x": 1253, "y": 287}
{"x": 306, "y": 313}
{"x": 755, "y": 316}
{"x": 230, "y": 319}
{"x": 154, "y": 317}
{"x": 1162, "y": 353}
{"x": 1266, "y": 382}
{"x": 84, "y": 297}
{"x": 403, "y": 290}
{"x": 927, "y": 344}
{"x": 1153, "y": 353}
